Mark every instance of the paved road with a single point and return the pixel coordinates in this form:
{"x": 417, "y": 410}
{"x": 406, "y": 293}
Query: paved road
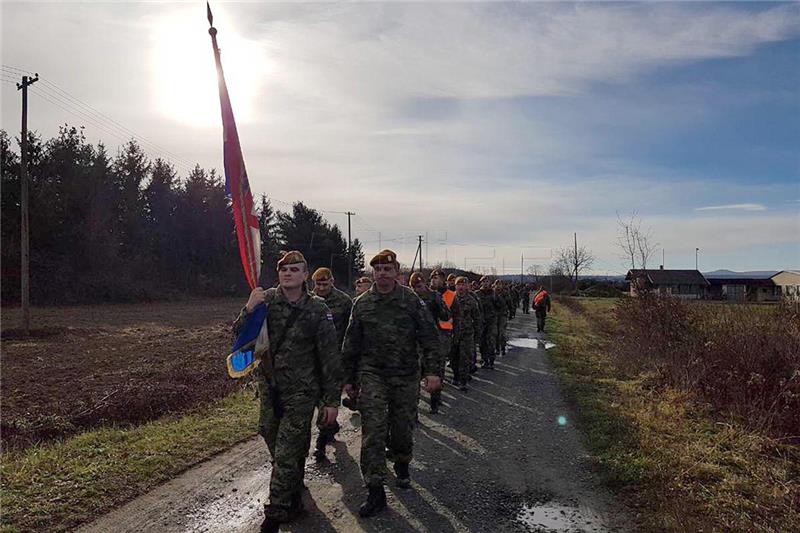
{"x": 503, "y": 457}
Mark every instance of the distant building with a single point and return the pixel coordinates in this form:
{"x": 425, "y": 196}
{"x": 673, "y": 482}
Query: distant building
{"x": 687, "y": 284}
{"x": 758, "y": 287}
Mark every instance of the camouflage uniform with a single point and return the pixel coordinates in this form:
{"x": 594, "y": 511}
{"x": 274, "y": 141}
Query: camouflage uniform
{"x": 340, "y": 305}
{"x": 464, "y": 344}
{"x": 489, "y": 306}
{"x": 503, "y": 305}
{"x": 380, "y": 357}
{"x": 438, "y": 311}
{"x": 526, "y": 300}
{"x": 307, "y": 370}
{"x": 478, "y": 330}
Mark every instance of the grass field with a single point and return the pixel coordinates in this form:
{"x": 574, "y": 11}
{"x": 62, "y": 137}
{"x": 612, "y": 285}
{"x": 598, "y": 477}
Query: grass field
{"x": 684, "y": 465}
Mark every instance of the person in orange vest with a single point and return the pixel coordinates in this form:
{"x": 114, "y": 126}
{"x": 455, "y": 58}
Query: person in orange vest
{"x": 439, "y": 311}
{"x": 541, "y": 306}
{"x": 448, "y": 328}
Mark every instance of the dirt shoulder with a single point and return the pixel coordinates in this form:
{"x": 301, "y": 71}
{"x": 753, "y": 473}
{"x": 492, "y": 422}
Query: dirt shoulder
{"x": 504, "y": 456}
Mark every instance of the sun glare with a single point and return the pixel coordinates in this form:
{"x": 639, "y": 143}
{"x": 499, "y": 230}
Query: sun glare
{"x": 185, "y": 79}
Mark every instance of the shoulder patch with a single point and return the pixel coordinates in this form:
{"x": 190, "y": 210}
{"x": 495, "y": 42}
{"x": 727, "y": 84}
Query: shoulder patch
{"x": 329, "y": 315}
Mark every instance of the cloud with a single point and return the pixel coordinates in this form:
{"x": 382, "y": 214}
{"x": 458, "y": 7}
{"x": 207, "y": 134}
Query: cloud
{"x": 741, "y": 207}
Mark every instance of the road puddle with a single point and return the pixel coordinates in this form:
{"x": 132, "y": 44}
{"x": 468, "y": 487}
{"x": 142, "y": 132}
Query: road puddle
{"x": 553, "y": 516}
{"x": 536, "y": 344}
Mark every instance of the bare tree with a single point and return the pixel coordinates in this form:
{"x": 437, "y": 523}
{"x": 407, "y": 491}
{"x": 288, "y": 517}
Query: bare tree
{"x": 636, "y": 244}
{"x": 571, "y": 261}
{"x": 534, "y": 271}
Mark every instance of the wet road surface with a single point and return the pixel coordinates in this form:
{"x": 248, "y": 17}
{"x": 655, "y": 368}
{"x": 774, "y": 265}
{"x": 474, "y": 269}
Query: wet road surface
{"x": 502, "y": 457}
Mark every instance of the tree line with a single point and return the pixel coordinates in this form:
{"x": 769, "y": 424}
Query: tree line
{"x": 128, "y": 228}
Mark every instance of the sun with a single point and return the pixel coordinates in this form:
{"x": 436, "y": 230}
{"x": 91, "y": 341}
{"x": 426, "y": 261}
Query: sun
{"x": 185, "y": 79}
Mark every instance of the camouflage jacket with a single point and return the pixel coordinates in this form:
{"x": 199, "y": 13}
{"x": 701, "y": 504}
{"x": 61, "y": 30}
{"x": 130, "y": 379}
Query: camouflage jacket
{"x": 476, "y": 297}
{"x": 489, "y": 304}
{"x": 340, "y": 305}
{"x": 436, "y": 306}
{"x": 308, "y": 361}
{"x": 470, "y": 319}
{"x": 383, "y": 335}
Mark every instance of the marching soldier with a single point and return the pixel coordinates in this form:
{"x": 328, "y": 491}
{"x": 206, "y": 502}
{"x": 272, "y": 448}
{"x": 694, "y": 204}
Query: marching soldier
{"x": 489, "y": 305}
{"x": 503, "y": 306}
{"x": 468, "y": 324}
{"x": 339, "y": 304}
{"x": 381, "y": 367}
{"x": 526, "y": 299}
{"x": 541, "y": 305}
{"x": 447, "y": 327}
{"x": 362, "y": 285}
{"x": 439, "y": 312}
{"x": 301, "y": 371}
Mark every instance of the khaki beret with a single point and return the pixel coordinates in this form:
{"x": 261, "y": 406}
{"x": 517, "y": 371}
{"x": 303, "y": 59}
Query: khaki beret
{"x": 322, "y": 273}
{"x": 485, "y": 278}
{"x": 451, "y": 277}
{"x": 461, "y": 279}
{"x": 415, "y": 277}
{"x": 437, "y": 272}
{"x": 363, "y": 280}
{"x": 384, "y": 257}
{"x": 290, "y": 258}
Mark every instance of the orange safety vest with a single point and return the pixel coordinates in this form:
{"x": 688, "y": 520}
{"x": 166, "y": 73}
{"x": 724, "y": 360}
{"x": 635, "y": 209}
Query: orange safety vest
{"x": 541, "y": 295}
{"x": 449, "y": 297}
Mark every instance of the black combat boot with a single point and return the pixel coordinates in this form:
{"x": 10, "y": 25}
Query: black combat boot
{"x": 319, "y": 448}
{"x": 463, "y": 386}
{"x": 296, "y": 507}
{"x": 270, "y": 525}
{"x": 376, "y": 502}
{"x": 435, "y": 400}
{"x": 403, "y": 477}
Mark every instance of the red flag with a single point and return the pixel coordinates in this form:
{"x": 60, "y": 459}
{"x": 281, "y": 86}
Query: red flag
{"x": 248, "y": 232}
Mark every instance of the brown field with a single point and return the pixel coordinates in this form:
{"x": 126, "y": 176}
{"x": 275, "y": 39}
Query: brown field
{"x": 90, "y": 366}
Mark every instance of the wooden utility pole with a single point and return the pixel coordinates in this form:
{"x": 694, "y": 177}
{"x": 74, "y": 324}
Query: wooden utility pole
{"x": 420, "y": 253}
{"x": 23, "y": 178}
{"x": 576, "y": 262}
{"x": 349, "y": 253}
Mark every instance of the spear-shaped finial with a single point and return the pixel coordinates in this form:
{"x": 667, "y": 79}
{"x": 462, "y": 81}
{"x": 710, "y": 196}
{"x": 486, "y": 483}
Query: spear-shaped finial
{"x": 210, "y": 15}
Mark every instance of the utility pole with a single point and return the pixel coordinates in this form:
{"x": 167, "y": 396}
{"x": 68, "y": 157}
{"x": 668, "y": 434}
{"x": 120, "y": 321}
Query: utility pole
{"x": 349, "y": 252}
{"x": 522, "y": 268}
{"x": 663, "y": 261}
{"x": 696, "y": 263}
{"x": 576, "y": 262}
{"x": 23, "y": 177}
{"x": 420, "y": 253}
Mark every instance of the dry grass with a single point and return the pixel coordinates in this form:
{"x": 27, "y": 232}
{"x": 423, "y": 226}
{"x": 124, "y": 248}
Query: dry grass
{"x": 686, "y": 465}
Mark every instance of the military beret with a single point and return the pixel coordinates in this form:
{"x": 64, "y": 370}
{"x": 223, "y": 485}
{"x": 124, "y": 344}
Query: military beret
{"x": 415, "y": 277}
{"x": 437, "y": 272}
{"x": 364, "y": 279}
{"x": 461, "y": 279}
{"x": 485, "y": 278}
{"x": 322, "y": 273}
{"x": 290, "y": 258}
{"x": 451, "y": 277}
{"x": 384, "y": 257}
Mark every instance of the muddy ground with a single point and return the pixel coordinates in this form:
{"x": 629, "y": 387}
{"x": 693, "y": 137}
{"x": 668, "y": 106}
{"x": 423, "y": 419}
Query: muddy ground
{"x": 503, "y": 457}
{"x": 87, "y": 366}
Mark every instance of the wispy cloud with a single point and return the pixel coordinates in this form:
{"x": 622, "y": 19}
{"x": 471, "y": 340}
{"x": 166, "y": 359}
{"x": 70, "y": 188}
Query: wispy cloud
{"x": 740, "y": 207}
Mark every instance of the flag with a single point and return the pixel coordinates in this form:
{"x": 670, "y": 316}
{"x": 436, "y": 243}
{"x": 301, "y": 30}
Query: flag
{"x": 252, "y": 342}
{"x": 248, "y": 232}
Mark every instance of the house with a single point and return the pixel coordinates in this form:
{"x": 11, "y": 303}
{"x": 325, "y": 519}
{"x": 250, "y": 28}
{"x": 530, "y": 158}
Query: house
{"x": 755, "y": 286}
{"x": 687, "y": 284}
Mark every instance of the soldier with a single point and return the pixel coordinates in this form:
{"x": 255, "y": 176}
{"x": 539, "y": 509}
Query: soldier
{"x": 469, "y": 321}
{"x": 339, "y": 304}
{"x": 489, "y": 306}
{"x": 381, "y": 366}
{"x": 473, "y": 292}
{"x": 362, "y": 285}
{"x": 451, "y": 281}
{"x": 541, "y": 305}
{"x": 503, "y": 306}
{"x": 439, "y": 312}
{"x": 447, "y": 327}
{"x": 526, "y": 299}
{"x": 302, "y": 370}
{"x": 513, "y": 301}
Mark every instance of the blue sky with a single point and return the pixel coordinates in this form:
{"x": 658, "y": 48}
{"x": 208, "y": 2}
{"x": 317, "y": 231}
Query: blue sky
{"x": 505, "y": 125}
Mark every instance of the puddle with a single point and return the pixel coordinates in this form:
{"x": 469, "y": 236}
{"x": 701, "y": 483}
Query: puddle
{"x": 553, "y": 516}
{"x": 531, "y": 343}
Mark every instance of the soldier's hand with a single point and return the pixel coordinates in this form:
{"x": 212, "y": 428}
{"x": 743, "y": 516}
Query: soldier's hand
{"x": 432, "y": 383}
{"x": 330, "y": 416}
{"x": 256, "y": 298}
{"x": 351, "y": 391}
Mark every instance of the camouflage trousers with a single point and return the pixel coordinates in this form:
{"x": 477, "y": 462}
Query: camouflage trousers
{"x": 388, "y": 410}
{"x": 489, "y": 341}
{"x": 502, "y": 324}
{"x": 463, "y": 355}
{"x": 288, "y": 439}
